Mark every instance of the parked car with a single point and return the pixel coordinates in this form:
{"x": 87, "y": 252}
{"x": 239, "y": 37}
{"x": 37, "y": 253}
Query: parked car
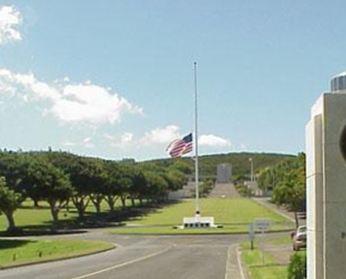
{"x": 299, "y": 238}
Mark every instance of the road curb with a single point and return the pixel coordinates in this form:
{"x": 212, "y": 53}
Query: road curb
{"x": 187, "y": 234}
{"x": 243, "y": 272}
{"x": 58, "y": 259}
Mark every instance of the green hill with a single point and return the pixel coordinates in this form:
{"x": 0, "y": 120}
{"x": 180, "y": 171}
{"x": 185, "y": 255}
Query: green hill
{"x": 239, "y": 161}
{"x": 208, "y": 163}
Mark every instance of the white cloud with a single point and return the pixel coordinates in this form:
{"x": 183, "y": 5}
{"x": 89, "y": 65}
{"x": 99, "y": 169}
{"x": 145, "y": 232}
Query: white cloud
{"x": 125, "y": 140}
{"x": 243, "y": 146}
{"x": 68, "y": 143}
{"x": 213, "y": 141}
{"x": 88, "y": 143}
{"x": 161, "y": 135}
{"x": 72, "y": 103}
{"x": 10, "y": 19}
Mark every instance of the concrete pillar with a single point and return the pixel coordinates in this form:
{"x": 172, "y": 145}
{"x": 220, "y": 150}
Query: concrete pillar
{"x": 326, "y": 187}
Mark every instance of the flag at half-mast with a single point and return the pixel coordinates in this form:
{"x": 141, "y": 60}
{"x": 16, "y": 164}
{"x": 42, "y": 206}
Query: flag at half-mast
{"x": 179, "y": 147}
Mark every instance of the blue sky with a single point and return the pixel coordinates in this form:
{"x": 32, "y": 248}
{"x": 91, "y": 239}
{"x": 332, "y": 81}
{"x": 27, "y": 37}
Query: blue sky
{"x": 114, "y": 78}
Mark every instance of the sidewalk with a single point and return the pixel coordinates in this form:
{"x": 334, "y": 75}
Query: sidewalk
{"x": 234, "y": 268}
{"x": 278, "y": 209}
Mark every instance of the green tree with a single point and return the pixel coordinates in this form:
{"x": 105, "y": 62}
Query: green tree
{"x": 112, "y": 184}
{"x": 9, "y": 202}
{"x": 138, "y": 186}
{"x": 97, "y": 181}
{"x": 49, "y": 183}
{"x": 125, "y": 183}
{"x": 79, "y": 177}
{"x": 297, "y": 266}
{"x": 288, "y": 182}
{"x": 157, "y": 186}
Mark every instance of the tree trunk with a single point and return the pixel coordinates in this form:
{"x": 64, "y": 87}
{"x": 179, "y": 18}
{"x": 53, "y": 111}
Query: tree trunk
{"x": 81, "y": 205}
{"x": 141, "y": 201}
{"x": 36, "y": 203}
{"x": 133, "y": 202}
{"x": 54, "y": 211}
{"x": 11, "y": 224}
{"x": 123, "y": 201}
{"x": 110, "y": 201}
{"x": 96, "y": 200}
{"x": 97, "y": 207}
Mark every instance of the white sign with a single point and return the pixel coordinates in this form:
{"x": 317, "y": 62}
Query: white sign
{"x": 262, "y": 225}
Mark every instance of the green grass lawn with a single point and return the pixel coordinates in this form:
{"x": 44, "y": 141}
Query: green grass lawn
{"x": 269, "y": 268}
{"x": 234, "y": 214}
{"x": 261, "y": 265}
{"x": 15, "y": 252}
{"x": 282, "y": 240}
{"x": 30, "y": 218}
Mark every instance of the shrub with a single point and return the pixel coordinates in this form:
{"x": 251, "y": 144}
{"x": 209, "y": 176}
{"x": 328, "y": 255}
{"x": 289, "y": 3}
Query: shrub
{"x": 297, "y": 266}
{"x": 243, "y": 190}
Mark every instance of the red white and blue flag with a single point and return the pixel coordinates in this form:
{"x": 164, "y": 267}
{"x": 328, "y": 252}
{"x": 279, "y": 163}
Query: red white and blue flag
{"x": 179, "y": 147}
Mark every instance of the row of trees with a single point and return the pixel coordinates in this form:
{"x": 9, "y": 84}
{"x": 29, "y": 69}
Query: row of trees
{"x": 239, "y": 161}
{"x": 60, "y": 178}
{"x": 287, "y": 181}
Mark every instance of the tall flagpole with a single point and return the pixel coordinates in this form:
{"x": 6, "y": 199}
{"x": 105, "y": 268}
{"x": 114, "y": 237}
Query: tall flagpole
{"x": 196, "y": 140}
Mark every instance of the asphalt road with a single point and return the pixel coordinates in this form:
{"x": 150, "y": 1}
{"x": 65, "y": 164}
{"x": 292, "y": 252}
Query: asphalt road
{"x": 155, "y": 257}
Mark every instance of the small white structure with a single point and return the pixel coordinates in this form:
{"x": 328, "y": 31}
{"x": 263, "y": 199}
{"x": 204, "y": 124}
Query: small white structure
{"x": 198, "y": 222}
{"x": 253, "y": 186}
{"x": 326, "y": 184}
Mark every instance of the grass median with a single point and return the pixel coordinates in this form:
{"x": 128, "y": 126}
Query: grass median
{"x": 19, "y": 252}
{"x": 233, "y": 214}
{"x": 269, "y": 259}
{"x": 261, "y": 264}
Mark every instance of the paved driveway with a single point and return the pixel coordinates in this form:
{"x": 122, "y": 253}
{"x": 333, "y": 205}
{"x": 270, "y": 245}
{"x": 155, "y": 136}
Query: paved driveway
{"x": 148, "y": 257}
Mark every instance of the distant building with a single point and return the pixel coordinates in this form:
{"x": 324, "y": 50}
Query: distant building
{"x": 224, "y": 173}
{"x": 253, "y": 186}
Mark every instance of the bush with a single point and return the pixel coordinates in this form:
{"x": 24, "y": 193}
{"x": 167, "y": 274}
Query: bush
{"x": 297, "y": 266}
{"x": 205, "y": 187}
{"x": 243, "y": 190}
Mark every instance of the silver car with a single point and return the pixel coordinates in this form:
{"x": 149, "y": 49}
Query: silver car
{"x": 299, "y": 238}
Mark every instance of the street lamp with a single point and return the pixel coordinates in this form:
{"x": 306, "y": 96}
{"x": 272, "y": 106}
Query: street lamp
{"x": 251, "y": 162}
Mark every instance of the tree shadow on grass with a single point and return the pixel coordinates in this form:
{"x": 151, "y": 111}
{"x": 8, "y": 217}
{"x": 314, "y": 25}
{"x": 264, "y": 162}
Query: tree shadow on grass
{"x": 106, "y": 219}
{"x": 13, "y": 243}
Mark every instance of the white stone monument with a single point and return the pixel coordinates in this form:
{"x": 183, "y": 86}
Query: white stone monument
{"x": 326, "y": 184}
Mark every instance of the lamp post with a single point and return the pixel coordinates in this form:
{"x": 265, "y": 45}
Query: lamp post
{"x": 251, "y": 163}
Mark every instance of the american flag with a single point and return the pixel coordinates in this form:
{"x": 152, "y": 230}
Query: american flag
{"x": 179, "y": 147}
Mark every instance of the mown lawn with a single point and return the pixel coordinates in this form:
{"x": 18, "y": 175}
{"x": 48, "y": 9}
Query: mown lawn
{"x": 29, "y": 217}
{"x": 261, "y": 265}
{"x": 14, "y": 252}
{"x": 233, "y": 214}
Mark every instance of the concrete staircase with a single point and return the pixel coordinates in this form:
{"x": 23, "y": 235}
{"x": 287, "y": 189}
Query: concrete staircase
{"x": 224, "y": 190}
